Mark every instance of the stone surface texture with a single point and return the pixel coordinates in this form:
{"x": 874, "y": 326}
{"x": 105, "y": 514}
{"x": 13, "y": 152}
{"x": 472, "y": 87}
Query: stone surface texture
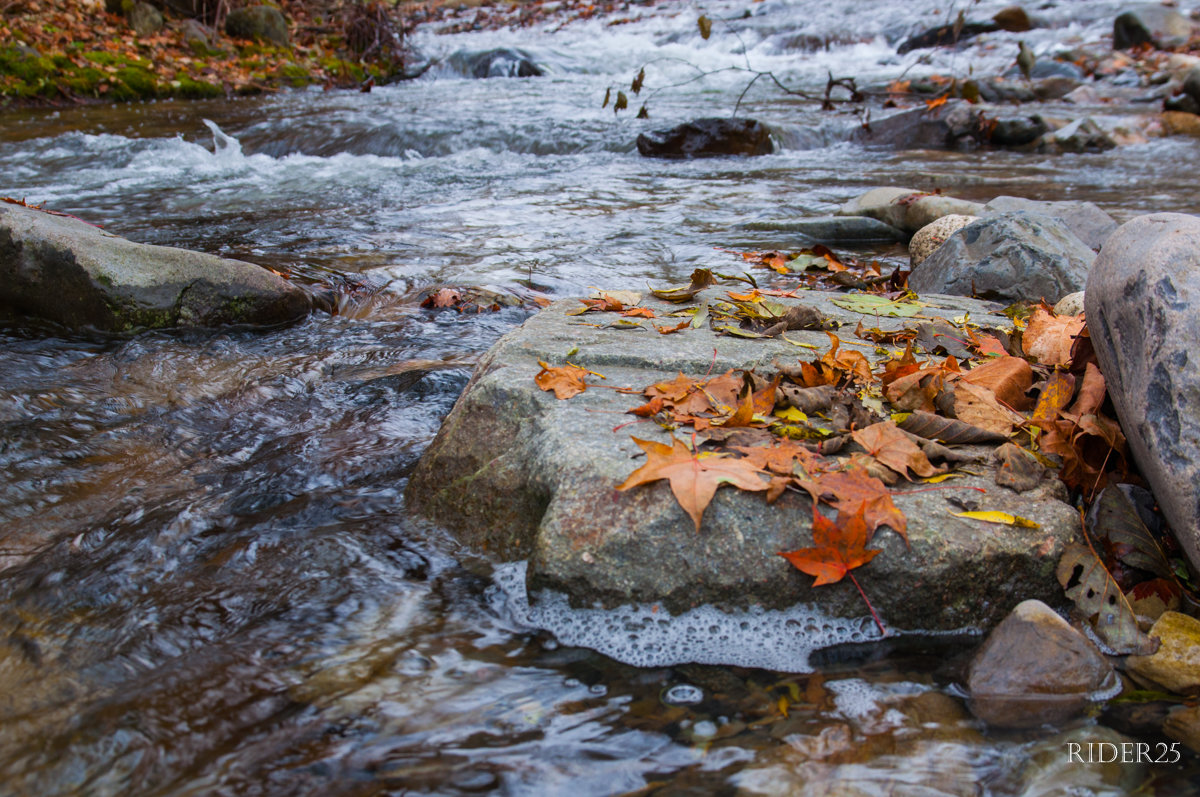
{"x": 832, "y": 230}
{"x": 708, "y": 138}
{"x": 517, "y": 474}
{"x": 883, "y": 203}
{"x": 927, "y": 239}
{"x": 925, "y": 210}
{"x": 1175, "y": 666}
{"x": 1141, "y": 301}
{"x": 1086, "y": 220}
{"x": 261, "y": 23}
{"x": 64, "y": 270}
{"x": 1033, "y": 669}
{"x": 1156, "y": 25}
{"x": 1010, "y": 257}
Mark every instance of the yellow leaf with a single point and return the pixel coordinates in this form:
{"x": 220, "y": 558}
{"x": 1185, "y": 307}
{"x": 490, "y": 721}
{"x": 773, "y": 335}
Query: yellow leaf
{"x": 791, "y": 414}
{"x": 943, "y": 477}
{"x": 999, "y": 517}
{"x": 783, "y": 706}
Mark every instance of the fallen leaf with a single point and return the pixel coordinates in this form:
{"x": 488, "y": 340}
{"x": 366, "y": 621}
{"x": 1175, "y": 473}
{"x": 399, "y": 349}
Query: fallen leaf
{"x": 670, "y": 330}
{"x": 889, "y": 445}
{"x": 1007, "y": 377}
{"x": 1049, "y": 338}
{"x": 874, "y": 304}
{"x": 694, "y": 477}
{"x": 853, "y": 489}
{"x": 992, "y": 516}
{"x": 945, "y": 430}
{"x": 838, "y": 547}
{"x": 978, "y": 406}
{"x": 701, "y": 279}
{"x": 1088, "y": 583}
{"x": 565, "y": 380}
{"x": 640, "y": 312}
{"x": 1055, "y": 395}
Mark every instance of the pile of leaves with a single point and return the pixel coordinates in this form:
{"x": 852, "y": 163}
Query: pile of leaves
{"x": 843, "y": 427}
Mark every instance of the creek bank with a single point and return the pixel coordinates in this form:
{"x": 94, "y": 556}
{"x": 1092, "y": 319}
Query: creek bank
{"x": 516, "y": 473}
{"x": 66, "y": 271}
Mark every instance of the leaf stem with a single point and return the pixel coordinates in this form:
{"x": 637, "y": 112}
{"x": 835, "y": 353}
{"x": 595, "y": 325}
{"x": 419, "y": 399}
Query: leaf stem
{"x": 867, "y": 601}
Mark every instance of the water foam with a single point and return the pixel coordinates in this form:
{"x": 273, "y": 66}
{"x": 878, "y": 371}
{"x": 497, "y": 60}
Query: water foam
{"x": 647, "y": 636}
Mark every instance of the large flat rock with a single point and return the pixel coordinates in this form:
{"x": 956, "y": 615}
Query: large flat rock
{"x": 518, "y": 474}
{"x": 64, "y": 270}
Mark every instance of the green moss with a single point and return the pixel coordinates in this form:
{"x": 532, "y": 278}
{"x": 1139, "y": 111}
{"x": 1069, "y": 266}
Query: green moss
{"x": 103, "y": 58}
{"x": 196, "y": 89}
{"x": 294, "y": 74}
{"x": 134, "y": 83}
{"x": 25, "y": 66}
{"x": 84, "y": 81}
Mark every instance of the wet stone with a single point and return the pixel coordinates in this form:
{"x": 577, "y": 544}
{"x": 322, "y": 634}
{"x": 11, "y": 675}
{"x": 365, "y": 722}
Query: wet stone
{"x": 707, "y": 138}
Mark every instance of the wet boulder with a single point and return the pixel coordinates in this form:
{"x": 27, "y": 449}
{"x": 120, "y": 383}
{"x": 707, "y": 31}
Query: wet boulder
{"x": 886, "y": 203}
{"x": 63, "y": 270}
{"x": 1160, "y": 27}
{"x": 1086, "y": 220}
{"x": 260, "y": 23}
{"x": 1010, "y": 257}
{"x": 708, "y": 138}
{"x": 1175, "y": 666}
{"x": 500, "y": 62}
{"x": 1082, "y": 135}
{"x": 1033, "y": 669}
{"x": 517, "y": 474}
{"x": 945, "y": 36}
{"x": 1141, "y": 300}
{"x": 833, "y": 230}
{"x": 945, "y": 127}
{"x": 1017, "y": 131}
{"x": 145, "y": 19}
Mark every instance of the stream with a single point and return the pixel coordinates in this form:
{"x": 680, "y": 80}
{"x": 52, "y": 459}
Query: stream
{"x": 209, "y": 582}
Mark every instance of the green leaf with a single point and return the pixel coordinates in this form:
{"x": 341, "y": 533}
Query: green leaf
{"x": 700, "y": 318}
{"x": 873, "y": 304}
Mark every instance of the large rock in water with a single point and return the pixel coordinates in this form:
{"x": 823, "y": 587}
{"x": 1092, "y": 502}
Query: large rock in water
{"x": 65, "y": 270}
{"x": 518, "y": 474}
{"x": 924, "y": 128}
{"x": 1142, "y": 304}
{"x": 1010, "y": 257}
{"x": 708, "y": 138}
{"x": 1035, "y": 668}
{"x": 500, "y": 62}
{"x": 1160, "y": 27}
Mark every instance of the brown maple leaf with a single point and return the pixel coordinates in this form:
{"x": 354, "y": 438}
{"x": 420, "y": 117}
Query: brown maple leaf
{"x": 564, "y": 381}
{"x": 838, "y": 547}
{"x": 1049, "y": 337}
{"x": 694, "y": 476}
{"x": 886, "y": 443}
{"x": 1007, "y": 377}
{"x": 852, "y": 489}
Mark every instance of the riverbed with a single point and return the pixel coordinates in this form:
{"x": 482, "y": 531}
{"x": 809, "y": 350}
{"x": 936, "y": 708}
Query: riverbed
{"x": 211, "y": 584}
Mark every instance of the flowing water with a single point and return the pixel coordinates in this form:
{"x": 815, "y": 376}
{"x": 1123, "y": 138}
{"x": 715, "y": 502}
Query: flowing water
{"x": 210, "y": 582}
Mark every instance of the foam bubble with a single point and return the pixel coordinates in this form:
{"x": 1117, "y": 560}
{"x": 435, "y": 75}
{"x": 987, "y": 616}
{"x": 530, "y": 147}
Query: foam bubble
{"x": 644, "y": 637}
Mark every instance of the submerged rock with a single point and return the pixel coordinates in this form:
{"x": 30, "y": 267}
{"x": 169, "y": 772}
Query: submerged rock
{"x": 261, "y": 23}
{"x": 1141, "y": 300}
{"x": 1086, "y": 220}
{"x": 1011, "y": 257}
{"x": 64, "y": 270}
{"x": 500, "y": 62}
{"x": 1035, "y": 669}
{"x": 945, "y": 36}
{"x": 518, "y": 474}
{"x": 708, "y": 138}
{"x": 1160, "y": 27}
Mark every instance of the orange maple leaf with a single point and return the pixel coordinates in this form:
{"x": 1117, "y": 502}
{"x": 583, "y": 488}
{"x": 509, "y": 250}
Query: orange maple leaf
{"x": 564, "y": 381}
{"x": 889, "y": 445}
{"x": 694, "y": 476}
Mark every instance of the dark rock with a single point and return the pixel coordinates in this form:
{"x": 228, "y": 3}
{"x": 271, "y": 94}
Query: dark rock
{"x": 945, "y": 35}
{"x": 500, "y": 62}
{"x": 1013, "y": 19}
{"x": 1141, "y": 302}
{"x": 1086, "y": 220}
{"x": 1191, "y": 88}
{"x": 1183, "y": 725}
{"x": 518, "y": 474}
{"x": 64, "y": 270}
{"x": 833, "y": 230}
{"x": 1055, "y": 88}
{"x": 1161, "y": 27}
{"x": 1017, "y": 131}
{"x": 1035, "y": 669}
{"x": 1184, "y": 103}
{"x": 260, "y": 23}
{"x": 1002, "y": 90}
{"x": 923, "y": 128}
{"x": 1011, "y": 257}
{"x": 145, "y": 19}
{"x": 707, "y": 138}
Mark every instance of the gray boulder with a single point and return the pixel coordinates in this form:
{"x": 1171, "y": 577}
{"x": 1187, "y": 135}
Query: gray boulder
{"x": 925, "y": 210}
{"x": 1082, "y": 135}
{"x": 708, "y": 138}
{"x": 261, "y": 23}
{"x": 923, "y": 128}
{"x": 1011, "y": 257}
{"x": 64, "y": 270}
{"x": 1161, "y": 27}
{"x": 1017, "y": 131}
{"x": 1035, "y": 669}
{"x": 1141, "y": 302}
{"x": 1086, "y": 220}
{"x": 145, "y": 19}
{"x": 518, "y": 474}
{"x": 833, "y": 230}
